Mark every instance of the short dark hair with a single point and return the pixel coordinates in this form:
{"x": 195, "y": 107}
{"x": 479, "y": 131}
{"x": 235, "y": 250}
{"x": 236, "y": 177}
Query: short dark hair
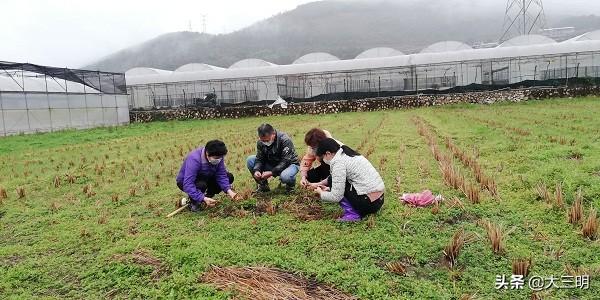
{"x": 314, "y": 136}
{"x": 265, "y": 129}
{"x": 216, "y": 148}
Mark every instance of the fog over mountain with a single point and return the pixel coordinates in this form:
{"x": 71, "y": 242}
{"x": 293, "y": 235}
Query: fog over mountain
{"x": 342, "y": 28}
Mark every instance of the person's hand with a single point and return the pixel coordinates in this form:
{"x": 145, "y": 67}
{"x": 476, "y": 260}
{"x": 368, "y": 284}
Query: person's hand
{"x": 210, "y": 202}
{"x": 257, "y": 175}
{"x": 232, "y": 194}
{"x": 318, "y": 190}
{"x": 267, "y": 175}
{"x": 313, "y": 185}
{"x": 304, "y": 182}
{"x": 324, "y": 188}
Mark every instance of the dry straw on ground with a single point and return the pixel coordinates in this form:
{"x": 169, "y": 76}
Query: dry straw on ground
{"x": 143, "y": 257}
{"x": 453, "y": 248}
{"x": 261, "y": 283}
{"x": 496, "y": 235}
{"x": 590, "y": 226}
{"x": 576, "y": 211}
{"x": 521, "y": 266}
{"x": 20, "y": 192}
{"x": 542, "y": 192}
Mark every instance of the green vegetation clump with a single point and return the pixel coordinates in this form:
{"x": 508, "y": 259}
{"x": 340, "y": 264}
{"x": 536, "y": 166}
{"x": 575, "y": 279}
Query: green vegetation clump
{"x": 82, "y": 213}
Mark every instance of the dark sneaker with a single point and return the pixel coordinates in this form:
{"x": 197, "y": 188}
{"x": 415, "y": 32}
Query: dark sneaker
{"x": 263, "y": 188}
{"x": 195, "y": 206}
{"x": 289, "y": 188}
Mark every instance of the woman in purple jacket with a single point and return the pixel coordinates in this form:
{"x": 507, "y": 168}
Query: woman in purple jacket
{"x": 203, "y": 175}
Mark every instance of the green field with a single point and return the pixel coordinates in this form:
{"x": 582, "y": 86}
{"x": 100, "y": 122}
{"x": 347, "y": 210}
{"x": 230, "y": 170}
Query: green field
{"x": 95, "y": 198}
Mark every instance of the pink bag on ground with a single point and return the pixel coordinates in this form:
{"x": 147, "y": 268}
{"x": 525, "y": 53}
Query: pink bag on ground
{"x": 422, "y": 199}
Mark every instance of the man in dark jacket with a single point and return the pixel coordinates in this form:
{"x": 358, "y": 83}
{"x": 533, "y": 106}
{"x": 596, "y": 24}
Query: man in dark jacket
{"x": 275, "y": 156}
{"x": 203, "y": 175}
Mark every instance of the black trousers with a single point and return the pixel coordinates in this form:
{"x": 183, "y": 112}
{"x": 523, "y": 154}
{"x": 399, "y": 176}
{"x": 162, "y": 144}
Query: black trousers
{"x": 361, "y": 203}
{"x": 317, "y": 174}
{"x": 208, "y": 185}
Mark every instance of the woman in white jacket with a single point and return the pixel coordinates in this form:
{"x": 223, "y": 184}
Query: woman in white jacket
{"x": 354, "y": 182}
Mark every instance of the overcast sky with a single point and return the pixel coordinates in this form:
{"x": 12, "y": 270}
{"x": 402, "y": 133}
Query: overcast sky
{"x": 74, "y": 33}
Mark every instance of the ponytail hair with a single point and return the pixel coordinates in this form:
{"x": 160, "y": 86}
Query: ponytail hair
{"x": 332, "y": 146}
{"x": 349, "y": 151}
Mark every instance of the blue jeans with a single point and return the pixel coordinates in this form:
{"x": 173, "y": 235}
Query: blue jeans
{"x": 287, "y": 176}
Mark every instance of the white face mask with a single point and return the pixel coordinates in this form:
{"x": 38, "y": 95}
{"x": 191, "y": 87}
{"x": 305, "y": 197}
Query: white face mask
{"x": 267, "y": 143}
{"x": 214, "y": 161}
{"x": 325, "y": 160}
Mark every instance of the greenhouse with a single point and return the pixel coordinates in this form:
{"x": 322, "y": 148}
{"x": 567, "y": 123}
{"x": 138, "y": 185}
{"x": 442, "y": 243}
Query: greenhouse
{"x": 37, "y": 98}
{"x": 534, "y": 59}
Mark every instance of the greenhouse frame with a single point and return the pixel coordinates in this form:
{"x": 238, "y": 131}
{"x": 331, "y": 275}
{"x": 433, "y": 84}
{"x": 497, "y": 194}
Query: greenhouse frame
{"x": 439, "y": 67}
{"x": 36, "y": 98}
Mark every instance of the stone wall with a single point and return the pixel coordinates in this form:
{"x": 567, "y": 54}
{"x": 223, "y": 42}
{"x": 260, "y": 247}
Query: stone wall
{"x": 371, "y": 104}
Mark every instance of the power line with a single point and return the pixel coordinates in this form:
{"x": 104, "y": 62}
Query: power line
{"x": 523, "y": 17}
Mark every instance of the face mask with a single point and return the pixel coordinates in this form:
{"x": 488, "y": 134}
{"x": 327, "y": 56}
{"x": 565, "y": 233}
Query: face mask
{"x": 267, "y": 143}
{"x": 325, "y": 160}
{"x": 214, "y": 162}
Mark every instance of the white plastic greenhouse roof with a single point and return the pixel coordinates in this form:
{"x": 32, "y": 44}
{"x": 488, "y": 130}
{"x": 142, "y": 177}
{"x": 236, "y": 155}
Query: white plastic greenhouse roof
{"x": 374, "y": 63}
{"x": 379, "y": 52}
{"x": 446, "y": 46}
{"x": 33, "y": 84}
{"x": 251, "y": 63}
{"x": 590, "y": 36}
{"x": 145, "y": 71}
{"x": 527, "y": 40}
{"x": 315, "y": 57}
{"x": 197, "y": 67}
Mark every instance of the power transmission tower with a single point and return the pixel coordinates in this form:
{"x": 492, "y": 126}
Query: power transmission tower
{"x": 203, "y": 23}
{"x": 523, "y": 17}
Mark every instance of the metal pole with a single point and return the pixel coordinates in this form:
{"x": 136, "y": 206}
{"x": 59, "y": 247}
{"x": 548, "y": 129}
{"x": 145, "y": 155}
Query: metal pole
{"x": 168, "y": 101}
{"x": 66, "y": 85}
{"x": 99, "y": 83}
{"x": 87, "y": 109}
{"x": 2, "y": 112}
{"x": 524, "y": 18}
{"x": 48, "y": 100}
{"x": 23, "y": 79}
{"x": 25, "y": 95}
{"x": 69, "y": 102}
{"x": 114, "y": 84}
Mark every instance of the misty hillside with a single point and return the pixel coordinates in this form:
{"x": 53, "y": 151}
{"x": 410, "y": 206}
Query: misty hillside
{"x": 343, "y": 29}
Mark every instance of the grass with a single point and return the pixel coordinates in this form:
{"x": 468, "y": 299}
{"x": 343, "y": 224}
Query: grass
{"x": 82, "y": 213}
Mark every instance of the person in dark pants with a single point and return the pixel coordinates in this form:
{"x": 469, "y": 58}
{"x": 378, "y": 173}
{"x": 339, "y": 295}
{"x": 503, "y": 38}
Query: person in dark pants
{"x": 308, "y": 172}
{"x": 354, "y": 182}
{"x": 203, "y": 175}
